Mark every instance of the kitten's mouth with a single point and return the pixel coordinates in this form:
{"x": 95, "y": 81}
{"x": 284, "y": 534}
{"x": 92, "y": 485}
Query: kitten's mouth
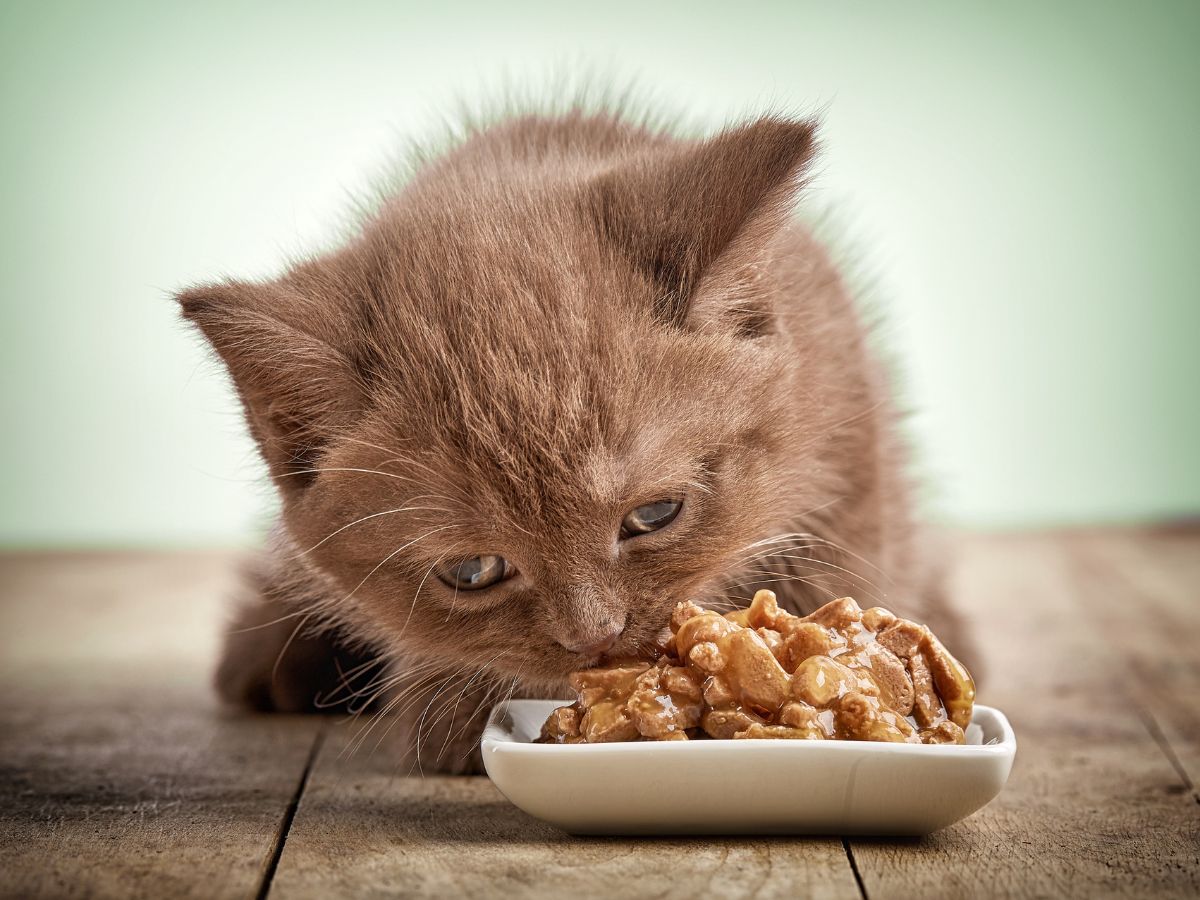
{"x": 641, "y": 651}
{"x": 605, "y": 660}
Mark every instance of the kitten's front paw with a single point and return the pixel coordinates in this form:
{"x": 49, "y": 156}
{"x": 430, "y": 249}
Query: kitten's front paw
{"x": 268, "y": 666}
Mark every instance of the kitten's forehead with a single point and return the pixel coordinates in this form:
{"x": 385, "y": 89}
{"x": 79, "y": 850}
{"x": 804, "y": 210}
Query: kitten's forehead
{"x": 603, "y": 475}
{"x": 549, "y": 440}
{"x": 620, "y": 474}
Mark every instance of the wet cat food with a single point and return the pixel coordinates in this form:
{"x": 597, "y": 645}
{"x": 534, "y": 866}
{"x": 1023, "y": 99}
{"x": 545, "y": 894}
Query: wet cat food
{"x": 841, "y": 673}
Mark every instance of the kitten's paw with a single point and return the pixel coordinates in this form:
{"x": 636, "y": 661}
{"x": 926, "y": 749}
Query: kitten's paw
{"x": 266, "y": 665}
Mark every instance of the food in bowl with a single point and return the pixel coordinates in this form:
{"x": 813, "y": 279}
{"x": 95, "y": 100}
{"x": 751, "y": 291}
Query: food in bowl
{"x": 841, "y": 673}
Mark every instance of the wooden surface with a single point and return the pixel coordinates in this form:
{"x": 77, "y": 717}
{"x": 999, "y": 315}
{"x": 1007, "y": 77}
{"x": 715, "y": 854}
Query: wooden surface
{"x": 120, "y": 776}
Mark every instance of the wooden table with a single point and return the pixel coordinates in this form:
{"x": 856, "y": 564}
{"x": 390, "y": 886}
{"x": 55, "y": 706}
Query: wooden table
{"x": 120, "y": 776}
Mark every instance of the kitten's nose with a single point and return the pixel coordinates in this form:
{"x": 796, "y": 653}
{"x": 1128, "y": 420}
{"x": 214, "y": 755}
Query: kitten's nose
{"x": 594, "y": 646}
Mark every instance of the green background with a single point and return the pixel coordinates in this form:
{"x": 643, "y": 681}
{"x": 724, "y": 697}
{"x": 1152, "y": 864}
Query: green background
{"x": 1020, "y": 181}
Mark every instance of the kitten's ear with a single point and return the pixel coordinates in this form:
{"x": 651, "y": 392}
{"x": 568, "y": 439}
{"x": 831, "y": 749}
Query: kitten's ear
{"x": 282, "y": 353}
{"x": 695, "y": 218}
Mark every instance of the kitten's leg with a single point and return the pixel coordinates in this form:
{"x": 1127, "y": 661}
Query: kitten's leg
{"x": 271, "y": 661}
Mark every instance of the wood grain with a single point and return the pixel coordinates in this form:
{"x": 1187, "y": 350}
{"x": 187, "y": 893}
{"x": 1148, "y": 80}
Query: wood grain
{"x": 119, "y": 777}
{"x": 1093, "y": 807}
{"x": 1156, "y": 631}
{"x": 364, "y": 830}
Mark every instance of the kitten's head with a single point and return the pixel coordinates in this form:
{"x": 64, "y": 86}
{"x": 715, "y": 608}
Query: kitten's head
{"x": 541, "y": 398}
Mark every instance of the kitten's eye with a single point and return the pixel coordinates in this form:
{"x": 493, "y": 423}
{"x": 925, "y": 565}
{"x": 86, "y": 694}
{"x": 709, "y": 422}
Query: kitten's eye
{"x": 650, "y": 517}
{"x": 476, "y": 573}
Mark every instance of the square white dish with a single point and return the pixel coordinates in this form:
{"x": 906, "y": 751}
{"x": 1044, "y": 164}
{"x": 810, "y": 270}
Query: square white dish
{"x": 744, "y": 787}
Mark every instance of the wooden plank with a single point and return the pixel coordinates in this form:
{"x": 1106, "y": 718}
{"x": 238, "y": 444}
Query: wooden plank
{"x": 119, "y": 777}
{"x": 1152, "y": 624}
{"x": 1093, "y": 807}
{"x": 365, "y": 829}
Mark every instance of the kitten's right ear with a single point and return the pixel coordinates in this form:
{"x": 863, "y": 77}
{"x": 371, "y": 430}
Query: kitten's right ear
{"x": 702, "y": 211}
{"x": 283, "y": 355}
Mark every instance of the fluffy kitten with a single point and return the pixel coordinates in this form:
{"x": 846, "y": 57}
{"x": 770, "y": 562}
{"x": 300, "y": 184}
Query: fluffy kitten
{"x": 575, "y": 371}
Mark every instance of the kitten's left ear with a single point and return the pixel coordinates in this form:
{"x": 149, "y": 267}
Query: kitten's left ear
{"x": 287, "y": 358}
{"x": 696, "y": 217}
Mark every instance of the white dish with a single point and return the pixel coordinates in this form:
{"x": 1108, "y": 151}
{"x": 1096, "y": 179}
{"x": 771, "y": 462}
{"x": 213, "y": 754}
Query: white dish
{"x": 745, "y": 787}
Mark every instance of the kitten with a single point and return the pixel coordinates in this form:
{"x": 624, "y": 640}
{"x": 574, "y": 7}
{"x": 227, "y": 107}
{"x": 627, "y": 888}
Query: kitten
{"x": 575, "y": 371}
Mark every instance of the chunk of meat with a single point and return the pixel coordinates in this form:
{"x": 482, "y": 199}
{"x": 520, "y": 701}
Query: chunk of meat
{"x": 725, "y": 722}
{"x": 666, "y": 702}
{"x": 562, "y": 727}
{"x": 819, "y": 681}
{"x": 604, "y": 699}
{"x": 785, "y": 732}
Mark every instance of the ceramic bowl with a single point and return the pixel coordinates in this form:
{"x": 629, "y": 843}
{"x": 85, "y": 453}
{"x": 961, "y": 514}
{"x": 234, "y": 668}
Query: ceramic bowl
{"x": 747, "y": 786}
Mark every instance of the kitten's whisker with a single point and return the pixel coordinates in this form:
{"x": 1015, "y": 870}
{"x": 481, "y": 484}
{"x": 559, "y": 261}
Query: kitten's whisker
{"x": 363, "y": 443}
{"x": 865, "y": 582}
{"x": 775, "y": 538}
{"x": 453, "y": 603}
{"x": 750, "y": 574}
{"x": 760, "y": 555}
{"x": 415, "y": 672}
{"x": 844, "y": 588}
{"x": 508, "y": 696}
{"x": 794, "y": 538}
{"x": 820, "y": 507}
{"x": 322, "y": 469}
{"x": 764, "y": 554}
{"x": 408, "y": 460}
{"x": 283, "y": 618}
{"x": 392, "y": 555}
{"x": 287, "y": 644}
{"x": 365, "y": 732}
{"x": 861, "y": 414}
{"x": 804, "y": 579}
{"x": 462, "y": 693}
{"x": 421, "y": 719}
{"x": 485, "y": 703}
{"x": 336, "y": 697}
{"x": 325, "y": 700}
{"x": 370, "y": 693}
{"x": 417, "y": 593}
{"x": 413, "y": 692}
{"x": 384, "y": 686}
{"x": 392, "y": 682}
{"x": 386, "y": 512}
{"x": 753, "y": 549}
{"x": 851, "y": 553}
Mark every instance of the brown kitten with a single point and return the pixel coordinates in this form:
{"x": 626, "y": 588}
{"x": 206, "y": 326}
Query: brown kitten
{"x": 560, "y": 321}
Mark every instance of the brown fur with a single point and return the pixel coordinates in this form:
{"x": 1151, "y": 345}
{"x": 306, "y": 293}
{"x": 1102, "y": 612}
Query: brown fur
{"x": 558, "y": 320}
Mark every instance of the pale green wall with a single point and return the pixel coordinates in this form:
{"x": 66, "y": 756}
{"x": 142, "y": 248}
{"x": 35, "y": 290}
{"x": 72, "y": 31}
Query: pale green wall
{"x": 1023, "y": 178}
